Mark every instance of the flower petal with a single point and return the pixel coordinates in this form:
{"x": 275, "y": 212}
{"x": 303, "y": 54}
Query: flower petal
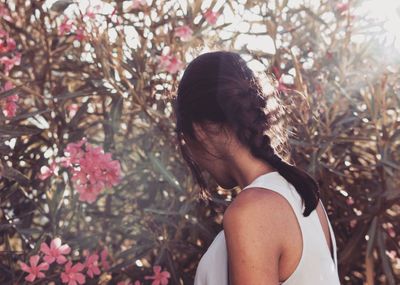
{"x": 49, "y": 259}
{"x": 78, "y": 267}
{"x": 55, "y": 243}
{"x": 24, "y": 266}
{"x": 61, "y": 259}
{"x": 43, "y": 266}
{"x": 80, "y": 278}
{"x": 30, "y": 277}
{"x": 44, "y": 248}
{"x": 33, "y": 260}
{"x": 65, "y": 249}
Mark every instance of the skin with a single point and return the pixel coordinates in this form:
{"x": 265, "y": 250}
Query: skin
{"x": 263, "y": 237}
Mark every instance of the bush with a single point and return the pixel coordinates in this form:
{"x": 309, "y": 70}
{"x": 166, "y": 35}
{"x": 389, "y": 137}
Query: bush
{"x": 89, "y": 164}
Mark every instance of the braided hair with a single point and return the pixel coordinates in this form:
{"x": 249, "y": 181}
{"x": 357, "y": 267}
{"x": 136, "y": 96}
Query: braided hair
{"x": 219, "y": 87}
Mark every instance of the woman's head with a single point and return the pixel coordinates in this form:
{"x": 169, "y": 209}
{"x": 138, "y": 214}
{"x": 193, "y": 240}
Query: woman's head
{"x": 221, "y": 111}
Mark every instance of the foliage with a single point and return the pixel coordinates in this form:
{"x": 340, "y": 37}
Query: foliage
{"x": 107, "y": 74}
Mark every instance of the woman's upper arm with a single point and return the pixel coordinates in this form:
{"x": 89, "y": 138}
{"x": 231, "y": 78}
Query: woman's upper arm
{"x": 251, "y": 226}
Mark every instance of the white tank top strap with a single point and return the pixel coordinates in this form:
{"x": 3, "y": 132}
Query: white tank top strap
{"x": 279, "y": 184}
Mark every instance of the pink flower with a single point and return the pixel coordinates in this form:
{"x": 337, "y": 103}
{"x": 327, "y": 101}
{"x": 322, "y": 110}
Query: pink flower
{"x": 80, "y": 33}
{"x": 91, "y": 11}
{"x": 137, "y": 3}
{"x": 65, "y": 161}
{"x": 96, "y": 170}
{"x": 9, "y": 63}
{"x": 34, "y": 269}
{"x": 75, "y": 151}
{"x": 211, "y": 17}
{"x": 65, "y": 27}
{"x": 103, "y": 255}
{"x": 72, "y": 274}
{"x": 170, "y": 63}
{"x": 55, "y": 252}
{"x": 342, "y": 7}
{"x": 10, "y": 109}
{"x": 137, "y": 282}
{"x": 92, "y": 265}
{"x": 46, "y": 171}
{"x": 6, "y": 45}
{"x": 184, "y": 32}
{"x": 4, "y": 13}
{"x": 159, "y": 277}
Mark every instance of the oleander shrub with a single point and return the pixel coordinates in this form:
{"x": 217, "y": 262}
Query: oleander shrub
{"x": 92, "y": 181}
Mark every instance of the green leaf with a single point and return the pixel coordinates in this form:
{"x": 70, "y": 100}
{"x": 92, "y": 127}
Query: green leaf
{"x": 116, "y": 112}
{"x": 371, "y": 235}
{"x": 167, "y": 174}
{"x": 28, "y": 115}
{"x": 16, "y": 131}
{"x": 386, "y": 265}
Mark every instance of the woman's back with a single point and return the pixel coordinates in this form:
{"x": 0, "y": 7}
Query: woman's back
{"x": 316, "y": 265}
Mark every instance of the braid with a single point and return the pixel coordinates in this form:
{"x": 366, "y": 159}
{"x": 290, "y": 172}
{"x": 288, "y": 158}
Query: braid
{"x": 246, "y": 113}
{"x": 221, "y": 88}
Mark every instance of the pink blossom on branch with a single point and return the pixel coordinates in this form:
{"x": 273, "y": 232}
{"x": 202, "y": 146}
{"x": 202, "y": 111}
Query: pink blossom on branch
{"x": 9, "y": 63}
{"x": 211, "y": 17}
{"x": 10, "y": 109}
{"x": 160, "y": 278}
{"x": 184, "y": 32}
{"x": 46, "y": 172}
{"x": 5, "y": 13}
{"x": 80, "y": 34}
{"x": 91, "y": 11}
{"x": 6, "y": 43}
{"x": 72, "y": 274}
{"x": 55, "y": 252}
{"x": 65, "y": 27}
{"x": 170, "y": 63}
{"x": 95, "y": 169}
{"x": 34, "y": 269}
{"x": 91, "y": 263}
{"x": 342, "y": 7}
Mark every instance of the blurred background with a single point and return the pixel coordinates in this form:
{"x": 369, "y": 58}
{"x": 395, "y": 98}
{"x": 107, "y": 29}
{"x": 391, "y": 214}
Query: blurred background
{"x": 91, "y": 180}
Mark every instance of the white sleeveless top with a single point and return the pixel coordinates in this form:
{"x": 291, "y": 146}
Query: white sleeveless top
{"x": 316, "y": 265}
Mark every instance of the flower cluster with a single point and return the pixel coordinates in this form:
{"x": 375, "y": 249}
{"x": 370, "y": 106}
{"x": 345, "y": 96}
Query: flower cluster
{"x": 78, "y": 30}
{"x": 76, "y": 273}
{"x": 56, "y": 254}
{"x": 171, "y": 63}
{"x": 92, "y": 169}
{"x": 9, "y": 58}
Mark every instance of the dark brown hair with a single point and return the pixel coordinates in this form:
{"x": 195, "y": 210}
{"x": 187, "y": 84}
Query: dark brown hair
{"x": 219, "y": 87}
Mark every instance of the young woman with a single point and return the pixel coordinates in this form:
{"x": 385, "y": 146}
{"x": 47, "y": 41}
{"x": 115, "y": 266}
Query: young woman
{"x": 276, "y": 231}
